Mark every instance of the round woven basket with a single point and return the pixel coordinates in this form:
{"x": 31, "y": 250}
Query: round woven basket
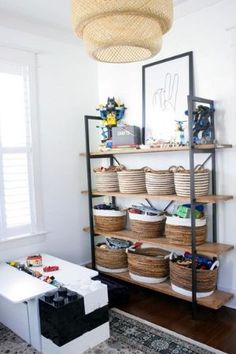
{"x": 181, "y": 280}
{"x": 109, "y": 220}
{"x": 178, "y": 231}
{"x": 148, "y": 264}
{"x": 147, "y": 225}
{"x": 160, "y": 182}
{"x": 111, "y": 260}
{"x": 182, "y": 181}
{"x": 107, "y": 181}
{"x": 132, "y": 181}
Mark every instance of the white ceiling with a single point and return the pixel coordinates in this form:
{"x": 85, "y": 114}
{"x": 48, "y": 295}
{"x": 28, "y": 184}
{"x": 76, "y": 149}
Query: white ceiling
{"x": 52, "y": 18}
{"x": 51, "y": 12}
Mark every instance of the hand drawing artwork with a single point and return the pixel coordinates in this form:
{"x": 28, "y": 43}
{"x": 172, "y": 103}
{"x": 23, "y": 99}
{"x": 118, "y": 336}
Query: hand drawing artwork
{"x": 166, "y": 96}
{"x": 166, "y": 85}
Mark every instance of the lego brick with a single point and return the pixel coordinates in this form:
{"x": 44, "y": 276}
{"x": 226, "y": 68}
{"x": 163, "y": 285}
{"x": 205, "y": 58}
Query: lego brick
{"x": 79, "y": 345}
{"x": 94, "y": 293}
{"x": 62, "y": 321}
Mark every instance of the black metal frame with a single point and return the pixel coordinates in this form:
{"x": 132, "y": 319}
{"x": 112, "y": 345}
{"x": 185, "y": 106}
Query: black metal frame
{"x": 192, "y": 100}
{"x": 191, "y": 82}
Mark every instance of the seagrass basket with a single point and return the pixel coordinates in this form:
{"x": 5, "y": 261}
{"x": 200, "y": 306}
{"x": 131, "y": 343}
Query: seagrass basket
{"x": 111, "y": 260}
{"x": 109, "y": 220}
{"x": 149, "y": 226}
{"x": 181, "y": 280}
{"x": 132, "y": 181}
{"x": 178, "y": 231}
{"x": 182, "y": 181}
{"x": 160, "y": 182}
{"x": 107, "y": 182}
{"x": 148, "y": 265}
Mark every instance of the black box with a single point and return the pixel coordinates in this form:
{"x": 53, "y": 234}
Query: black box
{"x": 125, "y": 136}
{"x": 64, "y": 323}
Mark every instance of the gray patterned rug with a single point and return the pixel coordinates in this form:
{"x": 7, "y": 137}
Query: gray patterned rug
{"x": 129, "y": 335}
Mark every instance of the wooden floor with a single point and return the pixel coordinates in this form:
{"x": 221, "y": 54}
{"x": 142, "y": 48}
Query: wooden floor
{"x": 214, "y": 328}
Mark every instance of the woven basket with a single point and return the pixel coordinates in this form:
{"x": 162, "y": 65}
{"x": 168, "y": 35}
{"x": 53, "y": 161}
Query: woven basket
{"x": 111, "y": 260}
{"x": 109, "y": 220}
{"x": 147, "y": 225}
{"x": 149, "y": 265}
{"x": 160, "y": 182}
{"x": 107, "y": 181}
{"x": 182, "y": 181}
{"x": 181, "y": 280}
{"x": 178, "y": 231}
{"x": 132, "y": 181}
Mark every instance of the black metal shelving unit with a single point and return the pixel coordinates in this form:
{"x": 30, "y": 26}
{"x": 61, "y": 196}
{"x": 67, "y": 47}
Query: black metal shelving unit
{"x": 192, "y": 100}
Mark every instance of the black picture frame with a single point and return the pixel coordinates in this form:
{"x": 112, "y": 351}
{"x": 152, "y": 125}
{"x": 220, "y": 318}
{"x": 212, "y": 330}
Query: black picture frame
{"x": 160, "y": 65}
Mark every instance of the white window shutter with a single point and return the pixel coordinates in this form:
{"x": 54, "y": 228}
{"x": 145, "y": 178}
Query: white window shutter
{"x": 17, "y": 188}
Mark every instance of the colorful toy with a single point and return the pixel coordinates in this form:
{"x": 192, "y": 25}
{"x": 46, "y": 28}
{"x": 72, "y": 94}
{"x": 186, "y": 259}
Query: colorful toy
{"x": 50, "y": 269}
{"x": 34, "y": 261}
{"x": 202, "y": 125}
{"x": 180, "y": 132}
{"x": 111, "y": 113}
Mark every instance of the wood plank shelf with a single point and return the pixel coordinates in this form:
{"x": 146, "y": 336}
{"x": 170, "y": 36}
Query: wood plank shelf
{"x": 212, "y": 199}
{"x": 206, "y": 249}
{"x": 125, "y": 151}
{"x": 215, "y": 301}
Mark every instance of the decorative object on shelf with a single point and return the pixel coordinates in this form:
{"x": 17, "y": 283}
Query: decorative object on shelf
{"x": 178, "y": 230}
{"x": 132, "y": 181}
{"x": 160, "y": 182}
{"x": 166, "y": 85}
{"x": 203, "y": 128}
{"x": 109, "y": 218}
{"x": 148, "y": 265}
{"x": 181, "y": 275}
{"x": 182, "y": 181}
{"x": 148, "y": 224}
{"x": 122, "y": 31}
{"x": 111, "y": 113}
{"x": 110, "y": 259}
{"x": 107, "y": 178}
{"x": 125, "y": 136}
{"x": 180, "y": 133}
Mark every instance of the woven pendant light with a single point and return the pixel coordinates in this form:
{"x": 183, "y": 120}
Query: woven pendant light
{"x": 122, "y": 31}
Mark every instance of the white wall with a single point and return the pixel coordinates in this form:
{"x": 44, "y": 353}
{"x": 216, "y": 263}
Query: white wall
{"x": 67, "y": 88}
{"x": 206, "y": 33}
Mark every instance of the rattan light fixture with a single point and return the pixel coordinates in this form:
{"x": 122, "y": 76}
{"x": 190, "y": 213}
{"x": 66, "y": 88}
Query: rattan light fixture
{"x": 122, "y": 31}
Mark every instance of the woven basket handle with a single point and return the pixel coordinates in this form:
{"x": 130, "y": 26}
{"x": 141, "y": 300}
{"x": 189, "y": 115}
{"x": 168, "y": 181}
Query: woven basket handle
{"x": 172, "y": 168}
{"x": 199, "y": 168}
{"x": 215, "y": 264}
{"x": 148, "y": 169}
{"x": 180, "y": 169}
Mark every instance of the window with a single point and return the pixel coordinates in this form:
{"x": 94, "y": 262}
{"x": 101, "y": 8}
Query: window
{"x": 18, "y": 195}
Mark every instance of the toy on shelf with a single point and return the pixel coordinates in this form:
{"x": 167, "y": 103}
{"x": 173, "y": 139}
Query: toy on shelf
{"x": 203, "y": 125}
{"x": 110, "y": 113}
{"x": 180, "y": 132}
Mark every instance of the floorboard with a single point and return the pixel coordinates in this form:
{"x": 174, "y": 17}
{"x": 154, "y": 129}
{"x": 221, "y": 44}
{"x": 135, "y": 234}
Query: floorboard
{"x": 214, "y": 328}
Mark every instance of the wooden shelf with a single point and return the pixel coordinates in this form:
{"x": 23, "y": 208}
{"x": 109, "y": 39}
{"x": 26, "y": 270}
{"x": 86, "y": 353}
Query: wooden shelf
{"x": 215, "y": 301}
{"x": 204, "y": 199}
{"x": 206, "y": 249}
{"x": 125, "y": 151}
